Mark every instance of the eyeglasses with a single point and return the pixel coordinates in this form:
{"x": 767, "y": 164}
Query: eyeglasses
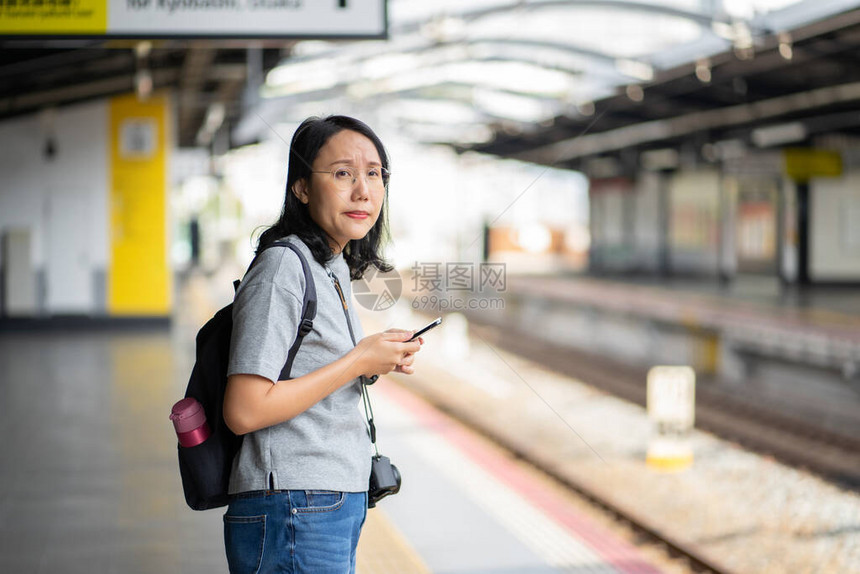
{"x": 344, "y": 177}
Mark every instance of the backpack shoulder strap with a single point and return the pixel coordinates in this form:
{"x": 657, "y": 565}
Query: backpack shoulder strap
{"x": 309, "y": 304}
{"x": 309, "y": 310}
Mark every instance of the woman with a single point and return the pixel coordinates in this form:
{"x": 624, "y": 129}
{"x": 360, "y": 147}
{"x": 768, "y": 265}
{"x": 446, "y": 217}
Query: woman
{"x": 299, "y": 482}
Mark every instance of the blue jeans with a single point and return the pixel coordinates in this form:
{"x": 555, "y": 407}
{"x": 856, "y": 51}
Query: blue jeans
{"x": 294, "y": 531}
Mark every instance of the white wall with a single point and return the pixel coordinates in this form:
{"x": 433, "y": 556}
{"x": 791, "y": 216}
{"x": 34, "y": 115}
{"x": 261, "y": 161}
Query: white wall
{"x": 63, "y": 201}
{"x": 834, "y": 228}
{"x": 21, "y": 196}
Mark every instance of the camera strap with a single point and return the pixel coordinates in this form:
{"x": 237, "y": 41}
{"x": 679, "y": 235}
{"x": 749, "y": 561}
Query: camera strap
{"x": 368, "y": 412}
{"x": 368, "y": 408}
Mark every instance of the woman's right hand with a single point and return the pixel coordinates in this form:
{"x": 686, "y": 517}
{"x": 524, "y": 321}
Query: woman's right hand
{"x": 381, "y": 353}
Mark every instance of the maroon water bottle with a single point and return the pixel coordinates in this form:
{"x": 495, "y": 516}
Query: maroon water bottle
{"x": 189, "y": 420}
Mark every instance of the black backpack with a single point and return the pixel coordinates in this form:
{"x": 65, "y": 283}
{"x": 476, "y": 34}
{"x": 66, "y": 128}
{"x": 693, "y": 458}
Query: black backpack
{"x": 205, "y": 468}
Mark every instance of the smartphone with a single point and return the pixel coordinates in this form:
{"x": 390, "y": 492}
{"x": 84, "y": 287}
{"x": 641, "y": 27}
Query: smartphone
{"x": 435, "y": 323}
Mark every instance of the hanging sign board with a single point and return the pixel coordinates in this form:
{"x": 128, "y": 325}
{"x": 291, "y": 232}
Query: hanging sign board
{"x": 319, "y": 19}
{"x": 801, "y": 164}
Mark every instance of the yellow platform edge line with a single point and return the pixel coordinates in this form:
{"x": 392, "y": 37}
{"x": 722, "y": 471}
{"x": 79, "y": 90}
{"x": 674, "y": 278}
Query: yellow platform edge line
{"x": 382, "y": 548}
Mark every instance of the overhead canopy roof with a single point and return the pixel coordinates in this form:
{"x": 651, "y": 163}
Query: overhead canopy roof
{"x": 798, "y": 86}
{"x": 550, "y": 81}
{"x": 556, "y": 82}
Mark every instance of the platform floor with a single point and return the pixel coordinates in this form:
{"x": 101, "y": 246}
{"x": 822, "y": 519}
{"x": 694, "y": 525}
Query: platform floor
{"x": 89, "y": 480}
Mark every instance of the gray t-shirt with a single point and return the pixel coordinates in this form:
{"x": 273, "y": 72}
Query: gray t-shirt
{"x": 326, "y": 447}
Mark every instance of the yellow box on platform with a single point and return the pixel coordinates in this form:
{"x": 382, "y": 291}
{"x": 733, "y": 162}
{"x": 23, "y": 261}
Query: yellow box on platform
{"x": 671, "y": 402}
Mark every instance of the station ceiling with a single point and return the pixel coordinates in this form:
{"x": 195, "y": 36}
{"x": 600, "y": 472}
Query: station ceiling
{"x": 40, "y": 74}
{"x": 796, "y": 89}
{"x": 550, "y": 81}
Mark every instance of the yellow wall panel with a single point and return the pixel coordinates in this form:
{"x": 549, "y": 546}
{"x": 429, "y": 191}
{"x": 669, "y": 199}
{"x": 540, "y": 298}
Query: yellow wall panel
{"x": 139, "y": 274}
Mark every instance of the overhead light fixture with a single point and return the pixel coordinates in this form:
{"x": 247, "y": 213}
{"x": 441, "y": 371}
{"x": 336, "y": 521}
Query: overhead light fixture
{"x": 143, "y": 84}
{"x": 703, "y": 70}
{"x": 635, "y": 92}
{"x": 779, "y": 134}
{"x": 785, "y": 47}
{"x": 585, "y": 108}
{"x": 742, "y": 40}
{"x": 143, "y": 49}
{"x": 739, "y": 34}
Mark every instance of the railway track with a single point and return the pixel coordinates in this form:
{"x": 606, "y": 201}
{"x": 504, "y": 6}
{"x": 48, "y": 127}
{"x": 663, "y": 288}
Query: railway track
{"x": 757, "y": 427}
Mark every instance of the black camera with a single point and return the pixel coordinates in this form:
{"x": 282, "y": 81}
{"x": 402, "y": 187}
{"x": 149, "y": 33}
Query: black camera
{"x": 384, "y": 479}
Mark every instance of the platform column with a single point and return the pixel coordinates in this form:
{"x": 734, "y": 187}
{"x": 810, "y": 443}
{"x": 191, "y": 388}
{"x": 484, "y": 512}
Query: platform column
{"x": 803, "y": 233}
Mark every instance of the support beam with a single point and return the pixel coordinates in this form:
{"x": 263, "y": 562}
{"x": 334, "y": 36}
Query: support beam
{"x": 100, "y": 88}
{"x": 685, "y": 125}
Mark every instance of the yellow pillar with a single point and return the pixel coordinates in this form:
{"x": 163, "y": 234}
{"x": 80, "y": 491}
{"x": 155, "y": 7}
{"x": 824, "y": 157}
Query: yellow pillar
{"x": 138, "y": 274}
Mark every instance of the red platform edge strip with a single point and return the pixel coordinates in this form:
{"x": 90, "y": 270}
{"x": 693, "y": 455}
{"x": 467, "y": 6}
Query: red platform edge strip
{"x": 621, "y": 555}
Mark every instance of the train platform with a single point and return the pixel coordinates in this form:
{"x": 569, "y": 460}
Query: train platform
{"x": 758, "y": 317}
{"x": 90, "y": 481}
{"x": 745, "y": 303}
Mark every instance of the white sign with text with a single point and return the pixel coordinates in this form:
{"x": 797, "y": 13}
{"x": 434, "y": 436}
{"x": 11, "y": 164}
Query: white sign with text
{"x": 249, "y": 18}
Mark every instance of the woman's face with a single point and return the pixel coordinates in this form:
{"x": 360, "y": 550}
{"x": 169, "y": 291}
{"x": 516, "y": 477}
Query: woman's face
{"x": 344, "y": 214}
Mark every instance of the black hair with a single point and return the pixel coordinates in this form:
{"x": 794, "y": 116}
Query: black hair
{"x": 310, "y": 137}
